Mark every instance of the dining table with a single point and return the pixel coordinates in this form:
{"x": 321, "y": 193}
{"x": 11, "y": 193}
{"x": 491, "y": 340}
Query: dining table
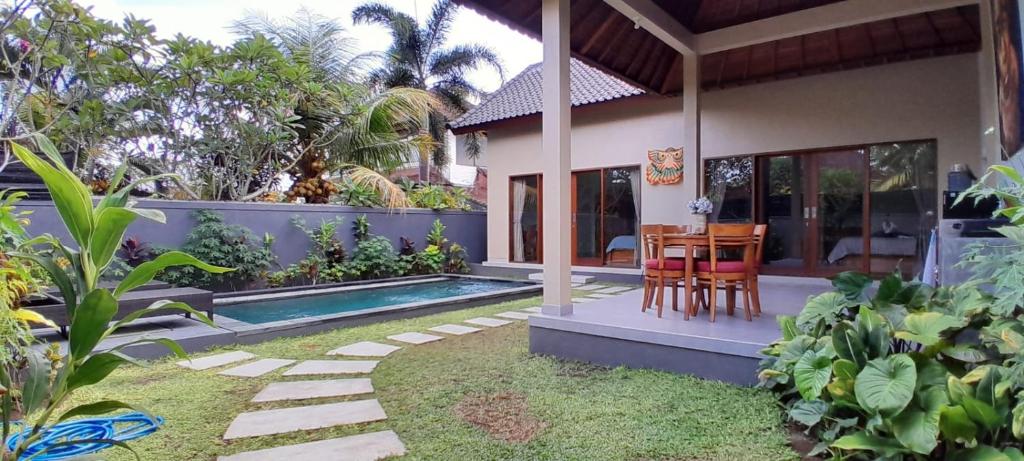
{"x": 688, "y": 242}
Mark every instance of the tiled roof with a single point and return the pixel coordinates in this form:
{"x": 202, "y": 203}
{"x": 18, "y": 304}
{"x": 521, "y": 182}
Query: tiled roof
{"x": 523, "y": 94}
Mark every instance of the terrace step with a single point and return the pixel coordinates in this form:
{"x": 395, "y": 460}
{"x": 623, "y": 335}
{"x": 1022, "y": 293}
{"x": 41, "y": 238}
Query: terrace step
{"x": 415, "y": 338}
{"x": 257, "y": 368}
{"x": 365, "y": 349}
{"x": 454, "y": 329}
{"x": 363, "y": 447}
{"x": 332, "y": 367}
{"x": 600, "y": 295}
{"x": 214, "y": 361}
{"x": 513, "y": 315}
{"x": 614, "y": 290}
{"x": 301, "y": 390}
{"x": 582, "y": 300}
{"x": 280, "y": 421}
{"x": 539, "y": 276}
{"x": 487, "y": 322}
{"x": 591, "y": 287}
{"x": 534, "y": 310}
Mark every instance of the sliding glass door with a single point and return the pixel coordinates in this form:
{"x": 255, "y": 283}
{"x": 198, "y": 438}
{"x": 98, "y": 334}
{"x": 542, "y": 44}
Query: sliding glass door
{"x": 525, "y": 223}
{"x": 606, "y": 217}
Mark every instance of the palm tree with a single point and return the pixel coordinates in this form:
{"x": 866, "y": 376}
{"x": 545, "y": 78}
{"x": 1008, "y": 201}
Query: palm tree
{"x": 418, "y": 58}
{"x": 341, "y": 122}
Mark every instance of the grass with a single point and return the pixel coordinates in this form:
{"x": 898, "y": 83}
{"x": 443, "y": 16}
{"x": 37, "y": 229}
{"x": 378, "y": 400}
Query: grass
{"x": 586, "y": 412}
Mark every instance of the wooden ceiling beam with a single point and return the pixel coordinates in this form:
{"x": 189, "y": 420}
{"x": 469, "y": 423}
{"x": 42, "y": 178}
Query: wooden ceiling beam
{"x": 653, "y": 19}
{"x": 818, "y": 19}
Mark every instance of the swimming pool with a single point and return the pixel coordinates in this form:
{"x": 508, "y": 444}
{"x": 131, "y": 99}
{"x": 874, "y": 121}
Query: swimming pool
{"x": 339, "y": 301}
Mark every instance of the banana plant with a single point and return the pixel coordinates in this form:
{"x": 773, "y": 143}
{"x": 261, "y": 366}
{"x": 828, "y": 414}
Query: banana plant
{"x": 75, "y": 268}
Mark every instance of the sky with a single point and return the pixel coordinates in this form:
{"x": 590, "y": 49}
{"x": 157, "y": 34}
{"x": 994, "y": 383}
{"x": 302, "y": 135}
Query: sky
{"x": 209, "y": 20}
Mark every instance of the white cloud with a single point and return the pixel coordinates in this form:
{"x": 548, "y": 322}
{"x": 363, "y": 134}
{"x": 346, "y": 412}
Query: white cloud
{"x": 209, "y": 20}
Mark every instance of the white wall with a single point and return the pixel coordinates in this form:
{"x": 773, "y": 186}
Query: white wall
{"x": 925, "y": 99}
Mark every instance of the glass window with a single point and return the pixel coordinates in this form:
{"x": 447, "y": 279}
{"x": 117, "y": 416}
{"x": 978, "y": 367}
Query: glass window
{"x": 621, "y": 215}
{"x": 903, "y": 205}
{"x": 525, "y": 219}
{"x": 728, "y": 184}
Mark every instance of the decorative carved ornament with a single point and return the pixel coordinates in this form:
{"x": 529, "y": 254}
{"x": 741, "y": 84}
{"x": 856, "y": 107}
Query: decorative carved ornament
{"x": 665, "y": 166}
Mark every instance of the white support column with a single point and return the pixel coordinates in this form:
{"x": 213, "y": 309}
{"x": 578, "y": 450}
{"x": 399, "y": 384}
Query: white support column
{"x": 556, "y": 163}
{"x": 988, "y": 97}
{"x": 691, "y": 119}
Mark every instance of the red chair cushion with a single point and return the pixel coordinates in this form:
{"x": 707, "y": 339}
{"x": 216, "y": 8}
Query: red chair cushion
{"x": 733, "y": 267}
{"x": 672, "y": 264}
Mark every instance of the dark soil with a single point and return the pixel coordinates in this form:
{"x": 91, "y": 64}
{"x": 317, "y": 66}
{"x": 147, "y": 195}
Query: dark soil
{"x": 504, "y": 416}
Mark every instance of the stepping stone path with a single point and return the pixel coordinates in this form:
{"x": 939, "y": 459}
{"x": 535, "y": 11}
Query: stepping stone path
{"x": 590, "y": 287}
{"x": 535, "y": 310}
{"x": 454, "y": 329}
{"x": 362, "y": 447}
{"x": 415, "y": 338}
{"x": 582, "y": 300}
{"x": 301, "y": 390}
{"x": 514, "y": 315}
{"x": 257, "y": 368}
{"x": 305, "y": 418}
{"x": 365, "y": 349}
{"x": 488, "y": 322}
{"x": 332, "y": 367}
{"x": 613, "y": 290}
{"x": 214, "y": 361}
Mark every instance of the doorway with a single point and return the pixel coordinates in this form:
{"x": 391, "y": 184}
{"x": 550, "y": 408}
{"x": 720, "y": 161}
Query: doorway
{"x": 606, "y": 217}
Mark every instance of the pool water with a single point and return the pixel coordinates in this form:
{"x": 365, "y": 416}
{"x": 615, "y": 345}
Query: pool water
{"x": 365, "y": 298}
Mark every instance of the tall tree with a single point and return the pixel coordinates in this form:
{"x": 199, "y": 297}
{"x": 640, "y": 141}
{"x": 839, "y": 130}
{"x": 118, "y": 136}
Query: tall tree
{"x": 419, "y": 57}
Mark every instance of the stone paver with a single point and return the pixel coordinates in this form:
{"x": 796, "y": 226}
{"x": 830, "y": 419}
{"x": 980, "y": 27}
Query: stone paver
{"x": 614, "y": 290}
{"x": 332, "y": 367}
{"x": 600, "y": 295}
{"x": 257, "y": 368}
{"x": 582, "y": 300}
{"x": 214, "y": 361}
{"x": 535, "y": 310}
{"x": 301, "y": 390}
{"x": 365, "y": 349}
{"x": 363, "y": 447}
{"x": 415, "y": 338}
{"x": 488, "y": 322}
{"x": 454, "y": 329}
{"x": 513, "y": 315}
{"x": 280, "y": 421}
{"x": 590, "y": 287}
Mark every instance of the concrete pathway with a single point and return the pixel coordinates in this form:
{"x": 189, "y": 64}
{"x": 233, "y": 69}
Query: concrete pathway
{"x": 257, "y": 368}
{"x": 590, "y": 287}
{"x": 302, "y": 390}
{"x": 614, "y": 290}
{"x": 514, "y": 315}
{"x": 365, "y": 349}
{"x": 362, "y": 447}
{"x": 487, "y": 322}
{"x": 582, "y": 300}
{"x": 280, "y": 421}
{"x": 214, "y": 361}
{"x": 415, "y": 338}
{"x": 534, "y": 310}
{"x": 332, "y": 367}
{"x": 450, "y": 329}
{"x": 600, "y": 295}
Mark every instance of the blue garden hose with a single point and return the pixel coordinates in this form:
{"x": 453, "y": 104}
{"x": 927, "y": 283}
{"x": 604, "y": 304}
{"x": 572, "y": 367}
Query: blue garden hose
{"x": 122, "y": 428}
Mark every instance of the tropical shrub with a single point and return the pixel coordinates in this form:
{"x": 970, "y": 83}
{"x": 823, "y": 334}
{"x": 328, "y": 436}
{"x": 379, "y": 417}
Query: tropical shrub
{"x": 231, "y": 245}
{"x": 361, "y": 228}
{"x": 50, "y": 378}
{"x": 373, "y": 258}
{"x": 323, "y": 263}
{"x": 352, "y": 193}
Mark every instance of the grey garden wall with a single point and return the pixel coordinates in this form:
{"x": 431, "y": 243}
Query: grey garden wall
{"x": 468, "y": 229}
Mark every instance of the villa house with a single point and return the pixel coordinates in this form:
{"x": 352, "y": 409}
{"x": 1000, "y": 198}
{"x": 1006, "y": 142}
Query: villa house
{"x": 834, "y": 122}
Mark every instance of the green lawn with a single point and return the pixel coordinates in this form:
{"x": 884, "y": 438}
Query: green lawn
{"x": 583, "y": 412}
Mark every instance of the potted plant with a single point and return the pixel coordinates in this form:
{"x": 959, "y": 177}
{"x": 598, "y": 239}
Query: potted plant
{"x": 701, "y": 207}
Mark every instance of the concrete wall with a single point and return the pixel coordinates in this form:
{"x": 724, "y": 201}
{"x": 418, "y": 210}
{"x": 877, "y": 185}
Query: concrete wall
{"x": 924, "y": 99}
{"x": 290, "y": 245}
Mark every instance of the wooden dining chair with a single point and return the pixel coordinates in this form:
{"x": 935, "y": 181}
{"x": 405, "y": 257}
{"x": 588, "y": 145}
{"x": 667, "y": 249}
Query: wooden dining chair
{"x": 730, "y": 274}
{"x": 659, "y": 269}
{"x": 760, "y": 233}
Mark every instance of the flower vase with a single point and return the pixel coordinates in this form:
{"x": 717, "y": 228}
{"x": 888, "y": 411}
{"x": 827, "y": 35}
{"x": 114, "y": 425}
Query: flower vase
{"x": 701, "y": 226}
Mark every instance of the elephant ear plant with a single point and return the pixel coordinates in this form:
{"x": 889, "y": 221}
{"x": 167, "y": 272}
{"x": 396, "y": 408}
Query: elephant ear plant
{"x": 48, "y": 381}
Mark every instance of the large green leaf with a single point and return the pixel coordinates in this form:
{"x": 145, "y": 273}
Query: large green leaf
{"x": 1014, "y": 453}
{"x": 808, "y": 412}
{"x": 982, "y": 413}
{"x": 812, "y": 373}
{"x": 848, "y": 345}
{"x": 826, "y": 306}
{"x": 979, "y": 453}
{"x": 874, "y": 332}
{"x": 170, "y": 344}
{"x": 94, "y": 369}
{"x": 94, "y": 313}
{"x": 99, "y": 408}
{"x": 58, "y": 277}
{"x": 787, "y": 323}
{"x": 866, "y": 442}
{"x": 853, "y": 285}
{"x": 965, "y": 353}
{"x": 36, "y": 388}
{"x": 70, "y": 196}
{"x": 1017, "y": 425}
{"x": 956, "y": 425}
{"x": 886, "y": 385}
{"x": 927, "y": 327}
{"x": 111, "y": 225}
{"x": 162, "y": 305}
{"x": 917, "y": 427}
{"x": 147, "y": 270}
{"x": 845, "y": 369}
